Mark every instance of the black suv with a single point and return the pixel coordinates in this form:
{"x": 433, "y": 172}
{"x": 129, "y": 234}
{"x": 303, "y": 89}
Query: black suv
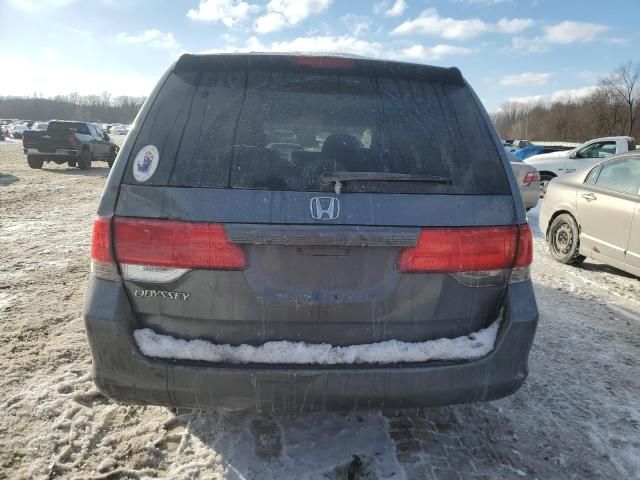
{"x": 375, "y": 254}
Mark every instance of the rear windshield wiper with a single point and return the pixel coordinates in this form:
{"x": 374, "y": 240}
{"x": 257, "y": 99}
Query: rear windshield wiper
{"x": 339, "y": 177}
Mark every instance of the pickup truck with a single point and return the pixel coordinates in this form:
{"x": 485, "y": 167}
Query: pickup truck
{"x": 74, "y": 143}
{"x": 551, "y": 165}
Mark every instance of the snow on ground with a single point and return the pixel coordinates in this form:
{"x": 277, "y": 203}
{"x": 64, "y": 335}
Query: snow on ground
{"x": 472, "y": 346}
{"x": 577, "y": 416}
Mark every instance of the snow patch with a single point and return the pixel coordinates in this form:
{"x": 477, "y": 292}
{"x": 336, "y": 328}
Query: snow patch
{"x": 472, "y": 346}
{"x": 6, "y": 300}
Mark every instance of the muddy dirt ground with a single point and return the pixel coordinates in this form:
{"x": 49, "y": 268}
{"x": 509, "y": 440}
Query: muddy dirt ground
{"x": 577, "y": 416}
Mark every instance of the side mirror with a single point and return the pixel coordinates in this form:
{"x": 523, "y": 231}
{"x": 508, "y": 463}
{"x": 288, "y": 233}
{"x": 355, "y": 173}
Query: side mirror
{"x": 106, "y": 137}
{"x": 573, "y": 155}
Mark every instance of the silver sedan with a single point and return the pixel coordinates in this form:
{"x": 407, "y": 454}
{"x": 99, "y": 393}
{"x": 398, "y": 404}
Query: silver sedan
{"x": 595, "y": 214}
{"x": 528, "y": 181}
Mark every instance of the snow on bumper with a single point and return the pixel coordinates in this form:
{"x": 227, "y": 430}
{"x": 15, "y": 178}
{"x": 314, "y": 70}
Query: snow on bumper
{"x": 122, "y": 372}
{"x": 470, "y": 347}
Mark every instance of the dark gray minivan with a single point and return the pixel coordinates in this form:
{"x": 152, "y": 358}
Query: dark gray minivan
{"x": 308, "y": 232}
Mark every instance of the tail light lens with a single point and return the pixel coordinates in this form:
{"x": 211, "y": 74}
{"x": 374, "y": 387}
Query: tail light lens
{"x": 160, "y": 250}
{"x": 530, "y": 177}
{"x": 470, "y": 249}
{"x": 169, "y": 244}
{"x": 102, "y": 262}
{"x": 72, "y": 139}
{"x": 524, "y": 255}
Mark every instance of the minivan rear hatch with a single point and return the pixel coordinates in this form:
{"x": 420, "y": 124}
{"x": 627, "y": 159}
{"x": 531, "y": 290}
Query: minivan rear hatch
{"x": 317, "y": 199}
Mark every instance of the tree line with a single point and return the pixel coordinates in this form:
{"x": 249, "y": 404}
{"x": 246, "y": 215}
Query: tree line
{"x": 610, "y": 109}
{"x": 90, "y": 108}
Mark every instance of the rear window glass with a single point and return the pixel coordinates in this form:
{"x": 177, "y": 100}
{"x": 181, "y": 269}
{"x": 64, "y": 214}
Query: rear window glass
{"x": 622, "y": 176}
{"x": 69, "y": 127}
{"x": 284, "y": 131}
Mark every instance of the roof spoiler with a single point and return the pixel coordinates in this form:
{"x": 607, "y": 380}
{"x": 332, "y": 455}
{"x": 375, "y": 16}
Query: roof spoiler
{"x": 319, "y": 63}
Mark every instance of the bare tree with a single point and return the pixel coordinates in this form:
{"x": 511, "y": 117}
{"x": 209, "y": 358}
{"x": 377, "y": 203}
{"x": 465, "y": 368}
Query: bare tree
{"x": 611, "y": 109}
{"x": 92, "y": 108}
{"x": 624, "y": 85}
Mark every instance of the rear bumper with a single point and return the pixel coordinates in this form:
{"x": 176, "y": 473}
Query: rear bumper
{"x": 121, "y": 372}
{"x": 530, "y": 195}
{"x": 60, "y": 152}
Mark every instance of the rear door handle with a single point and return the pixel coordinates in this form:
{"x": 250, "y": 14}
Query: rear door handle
{"x": 589, "y": 196}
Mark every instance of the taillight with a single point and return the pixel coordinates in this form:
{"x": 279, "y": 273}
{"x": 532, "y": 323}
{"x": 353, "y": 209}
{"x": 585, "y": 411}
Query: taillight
{"x": 161, "y": 250}
{"x": 102, "y": 262}
{"x": 488, "y": 252}
{"x": 530, "y": 177}
{"x": 72, "y": 139}
{"x": 524, "y": 255}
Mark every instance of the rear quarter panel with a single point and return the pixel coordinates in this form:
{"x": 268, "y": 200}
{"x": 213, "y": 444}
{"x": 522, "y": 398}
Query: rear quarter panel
{"x": 560, "y": 197}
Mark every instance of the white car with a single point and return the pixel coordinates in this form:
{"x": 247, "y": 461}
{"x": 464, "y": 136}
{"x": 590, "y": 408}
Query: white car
{"x": 41, "y": 126}
{"x": 556, "y": 164}
{"x": 17, "y": 129}
{"x": 120, "y": 130}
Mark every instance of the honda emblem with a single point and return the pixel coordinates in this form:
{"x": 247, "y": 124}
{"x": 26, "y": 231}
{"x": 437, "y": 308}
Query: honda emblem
{"x": 325, "y": 208}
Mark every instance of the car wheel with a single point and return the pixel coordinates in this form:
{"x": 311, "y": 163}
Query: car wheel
{"x": 84, "y": 162}
{"x": 72, "y": 163}
{"x": 34, "y": 162}
{"x": 564, "y": 240}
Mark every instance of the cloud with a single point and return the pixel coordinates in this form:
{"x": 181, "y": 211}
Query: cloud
{"x": 563, "y": 33}
{"x": 288, "y": 13}
{"x": 422, "y": 53}
{"x": 271, "y": 22}
{"x": 562, "y": 96}
{"x": 571, "y": 32}
{"x": 59, "y": 79}
{"x": 356, "y": 24}
{"x": 429, "y": 22}
{"x": 525, "y": 79}
{"x": 573, "y": 94}
{"x": 529, "y": 100}
{"x": 228, "y": 12}
{"x": 397, "y": 9}
{"x": 150, "y": 38}
{"x": 385, "y": 7}
{"x": 331, "y": 44}
{"x": 486, "y": 3}
{"x": 51, "y": 54}
{"x": 347, "y": 44}
{"x": 34, "y": 5}
{"x": 528, "y": 44}
{"x": 514, "y": 25}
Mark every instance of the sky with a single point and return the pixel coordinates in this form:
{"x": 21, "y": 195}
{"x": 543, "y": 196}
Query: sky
{"x": 527, "y": 50}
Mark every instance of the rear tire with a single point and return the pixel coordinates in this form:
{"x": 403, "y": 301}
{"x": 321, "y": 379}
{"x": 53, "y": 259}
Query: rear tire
{"x": 34, "y": 162}
{"x": 564, "y": 240}
{"x": 72, "y": 163}
{"x": 84, "y": 162}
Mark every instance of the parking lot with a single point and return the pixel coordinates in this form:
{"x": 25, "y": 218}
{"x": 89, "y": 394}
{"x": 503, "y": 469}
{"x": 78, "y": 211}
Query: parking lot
{"x": 577, "y": 416}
